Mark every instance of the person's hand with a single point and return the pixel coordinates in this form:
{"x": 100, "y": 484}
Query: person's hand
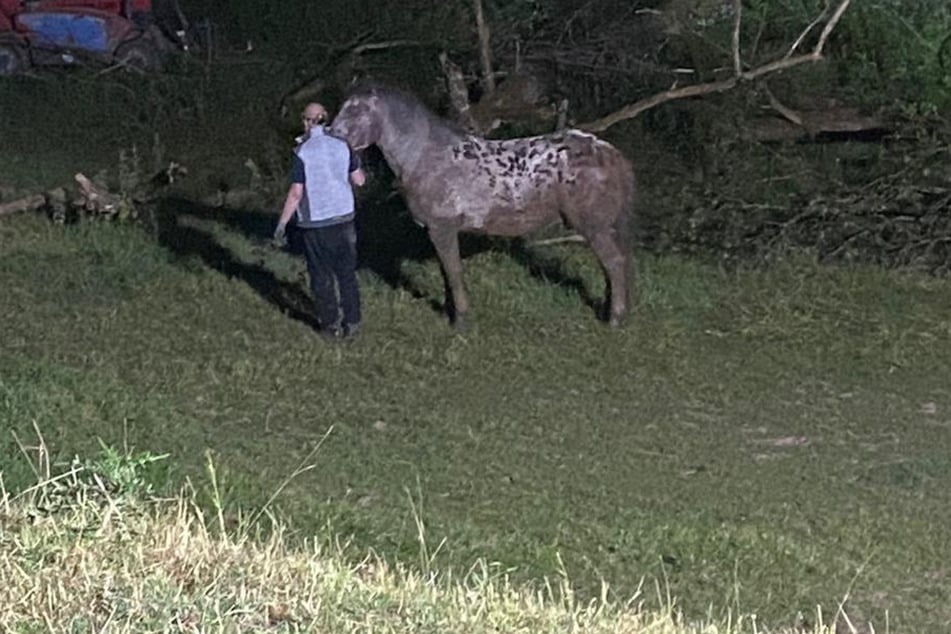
{"x": 280, "y": 235}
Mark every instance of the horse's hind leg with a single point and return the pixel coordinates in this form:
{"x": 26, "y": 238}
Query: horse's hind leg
{"x": 612, "y": 255}
{"x": 446, "y": 242}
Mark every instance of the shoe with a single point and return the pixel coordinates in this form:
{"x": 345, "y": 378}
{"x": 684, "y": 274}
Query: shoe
{"x": 334, "y": 333}
{"x": 349, "y": 331}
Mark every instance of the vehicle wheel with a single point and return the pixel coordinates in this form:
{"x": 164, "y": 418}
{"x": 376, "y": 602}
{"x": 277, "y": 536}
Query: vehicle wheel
{"x": 13, "y": 59}
{"x": 138, "y": 56}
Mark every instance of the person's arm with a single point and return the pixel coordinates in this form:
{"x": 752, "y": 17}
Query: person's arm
{"x": 295, "y": 193}
{"x": 357, "y": 176}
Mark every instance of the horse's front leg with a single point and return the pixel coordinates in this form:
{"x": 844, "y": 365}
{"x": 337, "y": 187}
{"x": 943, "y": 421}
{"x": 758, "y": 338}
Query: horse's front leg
{"x": 446, "y": 241}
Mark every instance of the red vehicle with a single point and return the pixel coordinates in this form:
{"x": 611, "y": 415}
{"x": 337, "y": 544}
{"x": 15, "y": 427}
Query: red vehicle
{"x": 131, "y": 33}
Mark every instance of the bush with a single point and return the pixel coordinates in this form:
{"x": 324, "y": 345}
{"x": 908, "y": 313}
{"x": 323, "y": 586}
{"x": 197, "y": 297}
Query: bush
{"x": 898, "y": 52}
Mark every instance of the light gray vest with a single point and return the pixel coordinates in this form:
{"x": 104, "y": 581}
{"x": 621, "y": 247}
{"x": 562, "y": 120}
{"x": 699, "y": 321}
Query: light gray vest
{"x": 328, "y": 196}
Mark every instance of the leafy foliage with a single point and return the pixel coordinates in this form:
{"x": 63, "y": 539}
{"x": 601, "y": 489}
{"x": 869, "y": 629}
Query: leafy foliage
{"x": 898, "y": 52}
{"x": 125, "y": 473}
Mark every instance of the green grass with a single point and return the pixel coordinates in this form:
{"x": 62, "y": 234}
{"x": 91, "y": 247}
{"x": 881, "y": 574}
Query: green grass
{"x": 762, "y": 441}
{"x": 759, "y": 440}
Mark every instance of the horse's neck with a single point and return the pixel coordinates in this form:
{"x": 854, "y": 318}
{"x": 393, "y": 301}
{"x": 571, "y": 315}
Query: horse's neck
{"x": 410, "y": 147}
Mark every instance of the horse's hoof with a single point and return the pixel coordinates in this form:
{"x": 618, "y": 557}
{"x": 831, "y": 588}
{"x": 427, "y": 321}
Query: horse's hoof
{"x": 460, "y": 324}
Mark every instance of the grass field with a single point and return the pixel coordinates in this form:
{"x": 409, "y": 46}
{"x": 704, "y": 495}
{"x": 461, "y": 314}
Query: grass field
{"x": 760, "y": 440}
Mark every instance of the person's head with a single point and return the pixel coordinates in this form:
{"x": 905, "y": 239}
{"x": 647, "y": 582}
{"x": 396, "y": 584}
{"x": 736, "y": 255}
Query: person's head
{"x": 314, "y": 115}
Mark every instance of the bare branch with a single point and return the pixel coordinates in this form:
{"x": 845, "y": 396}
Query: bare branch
{"x": 808, "y": 30}
{"x": 830, "y": 25}
{"x": 788, "y": 113}
{"x": 458, "y": 92}
{"x": 632, "y": 110}
{"x": 562, "y": 112}
{"x": 566, "y": 30}
{"x": 379, "y": 46}
{"x": 737, "y": 23}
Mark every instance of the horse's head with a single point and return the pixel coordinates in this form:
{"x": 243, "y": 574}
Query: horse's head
{"x": 359, "y": 121}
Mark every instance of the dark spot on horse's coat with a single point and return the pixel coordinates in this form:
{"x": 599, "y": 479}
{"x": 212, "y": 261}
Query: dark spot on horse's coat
{"x": 520, "y": 152}
{"x": 469, "y": 154}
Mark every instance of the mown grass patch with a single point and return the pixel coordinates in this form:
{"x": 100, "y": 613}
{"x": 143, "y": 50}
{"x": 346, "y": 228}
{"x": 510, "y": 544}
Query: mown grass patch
{"x": 762, "y": 438}
{"x": 86, "y": 548}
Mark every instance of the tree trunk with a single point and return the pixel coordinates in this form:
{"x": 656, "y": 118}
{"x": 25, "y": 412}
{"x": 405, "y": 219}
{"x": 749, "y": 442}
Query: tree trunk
{"x": 485, "y": 48}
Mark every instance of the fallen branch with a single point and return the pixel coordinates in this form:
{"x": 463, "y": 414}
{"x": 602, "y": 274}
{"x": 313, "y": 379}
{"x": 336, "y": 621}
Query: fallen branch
{"x": 559, "y": 240}
{"x": 788, "y": 113}
{"x": 381, "y": 46}
{"x": 788, "y": 61}
{"x": 800, "y": 124}
{"x": 96, "y": 200}
{"x": 28, "y": 203}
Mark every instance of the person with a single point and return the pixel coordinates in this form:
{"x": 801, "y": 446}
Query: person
{"x": 324, "y": 172}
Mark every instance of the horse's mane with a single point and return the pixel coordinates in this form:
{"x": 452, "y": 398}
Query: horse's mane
{"x": 405, "y": 104}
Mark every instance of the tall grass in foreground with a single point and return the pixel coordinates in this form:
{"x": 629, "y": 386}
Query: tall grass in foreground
{"x": 84, "y": 550}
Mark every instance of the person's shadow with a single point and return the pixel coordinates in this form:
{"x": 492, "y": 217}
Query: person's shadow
{"x": 187, "y": 241}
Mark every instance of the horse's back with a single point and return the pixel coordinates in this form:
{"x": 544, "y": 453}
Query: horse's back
{"x": 596, "y": 181}
{"x": 512, "y": 186}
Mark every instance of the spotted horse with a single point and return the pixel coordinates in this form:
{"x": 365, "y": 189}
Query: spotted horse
{"x": 456, "y": 182}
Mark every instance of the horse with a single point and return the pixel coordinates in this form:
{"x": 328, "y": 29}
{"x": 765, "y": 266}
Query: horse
{"x": 453, "y": 182}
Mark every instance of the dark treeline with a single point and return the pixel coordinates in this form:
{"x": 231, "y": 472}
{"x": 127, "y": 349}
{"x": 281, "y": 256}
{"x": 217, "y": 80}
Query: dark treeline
{"x": 808, "y": 157}
{"x": 883, "y": 52}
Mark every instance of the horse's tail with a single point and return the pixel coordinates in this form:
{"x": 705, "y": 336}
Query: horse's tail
{"x": 625, "y": 224}
{"x": 625, "y": 220}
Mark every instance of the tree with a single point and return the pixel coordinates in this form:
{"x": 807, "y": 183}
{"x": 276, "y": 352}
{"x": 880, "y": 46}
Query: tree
{"x": 828, "y": 19}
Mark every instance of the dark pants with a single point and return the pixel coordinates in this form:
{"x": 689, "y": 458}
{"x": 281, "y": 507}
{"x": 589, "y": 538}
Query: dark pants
{"x": 331, "y": 254}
